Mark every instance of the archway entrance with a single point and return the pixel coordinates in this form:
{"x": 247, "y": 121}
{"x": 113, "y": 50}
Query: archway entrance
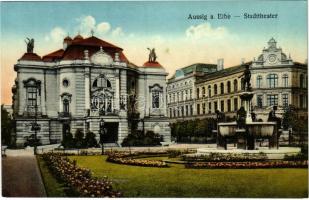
{"x": 111, "y": 135}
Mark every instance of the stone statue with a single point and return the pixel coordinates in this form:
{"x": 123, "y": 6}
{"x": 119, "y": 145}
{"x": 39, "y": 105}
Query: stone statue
{"x": 241, "y": 117}
{"x": 247, "y": 78}
{"x": 152, "y": 55}
{"x": 30, "y": 45}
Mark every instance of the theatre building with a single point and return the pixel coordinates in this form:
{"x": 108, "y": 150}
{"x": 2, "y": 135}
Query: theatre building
{"x": 83, "y": 83}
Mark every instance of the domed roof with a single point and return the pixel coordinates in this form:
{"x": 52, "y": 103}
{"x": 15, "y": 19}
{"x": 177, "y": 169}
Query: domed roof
{"x": 67, "y": 38}
{"x": 152, "y": 64}
{"x": 78, "y": 37}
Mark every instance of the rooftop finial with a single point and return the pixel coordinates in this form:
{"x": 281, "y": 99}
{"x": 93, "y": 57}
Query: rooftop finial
{"x": 92, "y": 32}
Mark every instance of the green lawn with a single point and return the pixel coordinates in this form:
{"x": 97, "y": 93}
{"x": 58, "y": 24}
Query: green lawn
{"x": 177, "y": 181}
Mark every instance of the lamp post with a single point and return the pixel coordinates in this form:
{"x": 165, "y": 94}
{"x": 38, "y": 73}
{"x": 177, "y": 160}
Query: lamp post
{"x": 102, "y": 133}
{"x": 35, "y": 126}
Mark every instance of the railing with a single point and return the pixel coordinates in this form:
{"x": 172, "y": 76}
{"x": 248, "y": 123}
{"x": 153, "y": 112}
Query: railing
{"x": 97, "y": 112}
{"x": 64, "y": 114}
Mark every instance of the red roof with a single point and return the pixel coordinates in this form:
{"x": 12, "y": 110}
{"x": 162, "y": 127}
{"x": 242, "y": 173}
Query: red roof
{"x": 30, "y": 56}
{"x": 75, "y": 51}
{"x": 152, "y": 64}
{"x": 53, "y": 56}
{"x": 78, "y": 38}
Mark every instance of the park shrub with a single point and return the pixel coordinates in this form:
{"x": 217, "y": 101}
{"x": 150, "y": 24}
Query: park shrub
{"x": 79, "y": 180}
{"x": 138, "y": 138}
{"x": 248, "y": 165}
{"x": 128, "y": 158}
{"x": 173, "y": 153}
{"x": 299, "y": 156}
{"x": 79, "y": 141}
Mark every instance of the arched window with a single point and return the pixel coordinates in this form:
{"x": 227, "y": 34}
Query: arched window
{"x": 101, "y": 82}
{"x": 222, "y": 88}
{"x": 301, "y": 81}
{"x": 228, "y": 87}
{"x": 285, "y": 80}
{"x": 209, "y": 91}
{"x": 235, "y": 85}
{"x": 215, "y": 89}
{"x": 203, "y": 91}
{"x": 259, "y": 81}
{"x": 272, "y": 80}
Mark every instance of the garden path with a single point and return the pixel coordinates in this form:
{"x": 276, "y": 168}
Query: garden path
{"x": 21, "y": 177}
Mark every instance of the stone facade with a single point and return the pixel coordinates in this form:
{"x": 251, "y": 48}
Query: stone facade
{"x": 84, "y": 82}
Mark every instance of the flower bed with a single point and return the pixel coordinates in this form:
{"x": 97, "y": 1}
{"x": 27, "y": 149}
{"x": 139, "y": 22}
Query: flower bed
{"x": 79, "y": 180}
{"x": 130, "y": 159}
{"x": 224, "y": 157}
{"x": 250, "y": 165}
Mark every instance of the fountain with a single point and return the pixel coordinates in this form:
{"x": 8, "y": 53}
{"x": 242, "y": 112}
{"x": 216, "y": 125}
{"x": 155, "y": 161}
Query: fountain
{"x": 246, "y": 131}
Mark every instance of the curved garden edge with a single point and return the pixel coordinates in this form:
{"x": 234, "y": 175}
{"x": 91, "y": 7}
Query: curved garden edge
{"x": 131, "y": 159}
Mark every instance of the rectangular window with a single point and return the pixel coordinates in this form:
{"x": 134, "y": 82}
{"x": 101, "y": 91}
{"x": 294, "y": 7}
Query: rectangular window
{"x": 187, "y": 110}
{"x": 198, "y": 109}
{"x": 170, "y": 113}
{"x": 32, "y": 96}
{"x": 197, "y": 93}
{"x": 301, "y": 101}
{"x": 204, "y": 108}
{"x": 222, "y": 106}
{"x": 191, "y": 110}
{"x": 190, "y": 94}
{"x": 285, "y": 100}
{"x": 272, "y": 100}
{"x": 182, "y": 110}
{"x": 209, "y": 107}
{"x": 259, "y": 101}
{"x": 235, "y": 104}
{"x": 228, "y": 105}
{"x": 216, "y": 105}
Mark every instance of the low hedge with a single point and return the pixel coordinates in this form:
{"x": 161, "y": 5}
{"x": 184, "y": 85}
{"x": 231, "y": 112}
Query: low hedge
{"x": 248, "y": 165}
{"x": 224, "y": 157}
{"x": 79, "y": 180}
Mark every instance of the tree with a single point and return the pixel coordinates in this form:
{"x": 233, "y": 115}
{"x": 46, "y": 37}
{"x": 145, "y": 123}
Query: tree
{"x": 292, "y": 120}
{"x": 7, "y": 127}
{"x": 79, "y": 138}
{"x": 90, "y": 140}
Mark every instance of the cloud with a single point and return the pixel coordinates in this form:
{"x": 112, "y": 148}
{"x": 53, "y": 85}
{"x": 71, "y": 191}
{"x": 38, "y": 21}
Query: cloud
{"x": 103, "y": 27}
{"x": 87, "y": 23}
{"x": 118, "y": 32}
{"x": 56, "y": 35}
{"x": 205, "y": 30}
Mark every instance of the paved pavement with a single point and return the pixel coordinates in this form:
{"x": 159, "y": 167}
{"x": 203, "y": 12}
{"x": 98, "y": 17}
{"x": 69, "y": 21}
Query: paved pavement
{"x": 21, "y": 177}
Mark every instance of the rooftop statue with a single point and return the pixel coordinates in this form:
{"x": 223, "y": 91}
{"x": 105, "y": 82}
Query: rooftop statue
{"x": 247, "y": 78}
{"x": 152, "y": 55}
{"x": 30, "y": 45}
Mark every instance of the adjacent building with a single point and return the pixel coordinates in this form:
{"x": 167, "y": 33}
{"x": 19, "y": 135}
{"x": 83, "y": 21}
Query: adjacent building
{"x": 275, "y": 78}
{"x": 83, "y": 83}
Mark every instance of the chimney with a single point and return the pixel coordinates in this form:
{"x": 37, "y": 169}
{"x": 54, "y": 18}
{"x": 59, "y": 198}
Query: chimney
{"x": 220, "y": 64}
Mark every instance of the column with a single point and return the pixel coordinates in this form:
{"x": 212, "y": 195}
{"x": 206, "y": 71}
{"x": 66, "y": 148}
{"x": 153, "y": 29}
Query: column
{"x": 117, "y": 90}
{"x": 87, "y": 89}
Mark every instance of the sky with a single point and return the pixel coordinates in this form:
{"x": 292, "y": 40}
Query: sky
{"x": 135, "y": 26}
